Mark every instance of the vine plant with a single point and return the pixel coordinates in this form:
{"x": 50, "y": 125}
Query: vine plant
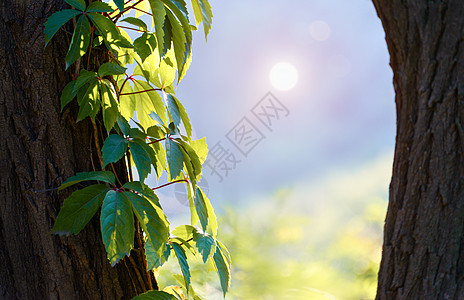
{"x": 159, "y": 55}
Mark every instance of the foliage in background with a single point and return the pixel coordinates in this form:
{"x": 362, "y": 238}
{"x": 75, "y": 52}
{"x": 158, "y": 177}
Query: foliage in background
{"x": 160, "y": 141}
{"x": 320, "y": 240}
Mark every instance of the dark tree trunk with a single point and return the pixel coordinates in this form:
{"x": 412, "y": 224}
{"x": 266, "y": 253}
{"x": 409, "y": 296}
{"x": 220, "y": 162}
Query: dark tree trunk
{"x": 423, "y": 250}
{"x": 39, "y": 148}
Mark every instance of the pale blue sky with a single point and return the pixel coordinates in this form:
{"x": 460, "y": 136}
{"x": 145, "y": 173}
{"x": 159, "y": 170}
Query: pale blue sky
{"x": 342, "y": 112}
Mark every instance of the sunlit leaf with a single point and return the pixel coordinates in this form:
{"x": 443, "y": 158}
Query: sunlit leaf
{"x": 127, "y": 103}
{"x": 110, "y": 33}
{"x": 58, "y": 19}
{"x": 222, "y": 261}
{"x": 89, "y": 102}
{"x": 159, "y": 16}
{"x": 84, "y": 77}
{"x": 110, "y": 69}
{"x": 184, "y": 232}
{"x": 104, "y": 176}
{"x": 79, "y": 42}
{"x": 201, "y": 148}
{"x": 205, "y": 244}
{"x": 149, "y": 100}
{"x": 109, "y": 104}
{"x": 79, "y": 208}
{"x": 203, "y": 14}
{"x": 145, "y": 45}
{"x": 182, "y": 258}
{"x": 205, "y": 212}
{"x": 136, "y": 22}
{"x": 181, "y": 47}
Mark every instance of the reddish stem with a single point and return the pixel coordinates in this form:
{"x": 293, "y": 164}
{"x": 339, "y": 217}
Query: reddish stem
{"x": 169, "y": 183}
{"x": 131, "y": 28}
{"x": 154, "y": 142}
{"x": 139, "y": 92}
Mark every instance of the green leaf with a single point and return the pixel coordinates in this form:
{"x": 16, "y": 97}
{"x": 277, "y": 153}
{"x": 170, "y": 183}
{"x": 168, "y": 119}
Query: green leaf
{"x": 109, "y": 104}
{"x": 175, "y": 158}
{"x": 68, "y": 94}
{"x": 181, "y": 47}
{"x": 89, "y": 102}
{"x": 117, "y": 226}
{"x": 155, "y": 261}
{"x": 104, "y": 176}
{"x": 184, "y": 232}
{"x": 205, "y": 212}
{"x": 205, "y": 244}
{"x": 183, "y": 115}
{"x": 161, "y": 161}
{"x": 136, "y": 22}
{"x": 144, "y": 190}
{"x": 155, "y": 295}
{"x": 137, "y": 134}
{"x": 141, "y": 153}
{"x": 203, "y": 13}
{"x": 201, "y": 149}
{"x": 110, "y": 33}
{"x": 58, "y": 19}
{"x": 78, "y": 209}
{"x": 119, "y": 4}
{"x": 173, "y": 110}
{"x": 156, "y": 131}
{"x": 78, "y": 4}
{"x": 79, "y": 42}
{"x": 159, "y": 16}
{"x": 127, "y": 103}
{"x": 101, "y": 7}
{"x": 182, "y": 258}
{"x": 123, "y": 125}
{"x": 145, "y": 45}
{"x": 149, "y": 100}
{"x": 110, "y": 69}
{"x": 167, "y": 70}
{"x": 84, "y": 77}
{"x": 114, "y": 148}
{"x": 222, "y": 261}
{"x": 191, "y": 156}
{"x": 152, "y": 220}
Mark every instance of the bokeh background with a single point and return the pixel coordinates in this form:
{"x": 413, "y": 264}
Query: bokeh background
{"x": 302, "y": 213}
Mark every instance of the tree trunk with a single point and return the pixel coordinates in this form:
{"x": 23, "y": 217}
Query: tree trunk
{"x": 423, "y": 253}
{"x": 40, "y": 147}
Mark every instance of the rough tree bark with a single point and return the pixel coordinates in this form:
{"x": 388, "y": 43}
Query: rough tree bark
{"x": 423, "y": 253}
{"x": 39, "y": 148}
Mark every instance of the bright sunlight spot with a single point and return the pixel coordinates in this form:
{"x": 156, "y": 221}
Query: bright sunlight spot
{"x": 283, "y": 76}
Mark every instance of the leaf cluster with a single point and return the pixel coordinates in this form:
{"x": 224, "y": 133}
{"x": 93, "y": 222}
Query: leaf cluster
{"x": 159, "y": 139}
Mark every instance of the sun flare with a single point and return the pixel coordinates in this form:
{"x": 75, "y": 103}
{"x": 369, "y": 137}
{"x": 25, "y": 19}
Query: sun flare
{"x": 283, "y": 76}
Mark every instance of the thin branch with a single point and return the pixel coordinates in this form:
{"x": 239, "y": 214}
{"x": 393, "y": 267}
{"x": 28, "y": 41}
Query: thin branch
{"x": 169, "y": 183}
{"x": 125, "y": 27}
{"x": 139, "y": 92}
{"x": 154, "y": 142}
